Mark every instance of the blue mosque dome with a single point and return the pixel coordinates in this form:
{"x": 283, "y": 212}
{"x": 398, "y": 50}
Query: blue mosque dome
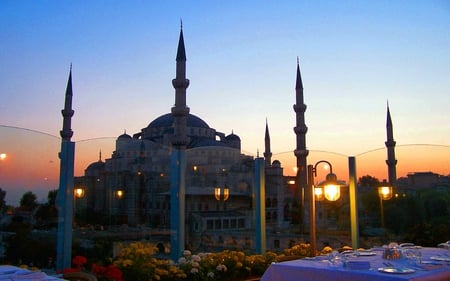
{"x": 166, "y": 120}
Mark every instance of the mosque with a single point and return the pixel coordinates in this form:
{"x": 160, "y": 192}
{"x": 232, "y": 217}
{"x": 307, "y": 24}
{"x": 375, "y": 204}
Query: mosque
{"x": 132, "y": 186}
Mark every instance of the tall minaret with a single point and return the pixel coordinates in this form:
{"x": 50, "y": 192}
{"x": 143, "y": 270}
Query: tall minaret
{"x": 178, "y": 156}
{"x": 180, "y": 110}
{"x": 267, "y": 152}
{"x": 64, "y": 200}
{"x": 390, "y": 145}
{"x": 300, "y": 130}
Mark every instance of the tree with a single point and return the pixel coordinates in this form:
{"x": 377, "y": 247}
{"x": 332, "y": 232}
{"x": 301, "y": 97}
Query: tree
{"x": 2, "y": 200}
{"x": 46, "y": 215}
{"x": 369, "y": 181}
{"x": 51, "y": 197}
{"x": 28, "y": 201}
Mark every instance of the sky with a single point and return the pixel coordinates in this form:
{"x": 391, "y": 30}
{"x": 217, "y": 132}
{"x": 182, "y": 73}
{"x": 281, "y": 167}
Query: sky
{"x": 355, "y": 57}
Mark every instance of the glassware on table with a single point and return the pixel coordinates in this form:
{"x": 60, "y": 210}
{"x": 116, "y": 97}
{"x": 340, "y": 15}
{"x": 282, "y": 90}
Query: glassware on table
{"x": 392, "y": 252}
{"x": 336, "y": 259}
{"x": 413, "y": 255}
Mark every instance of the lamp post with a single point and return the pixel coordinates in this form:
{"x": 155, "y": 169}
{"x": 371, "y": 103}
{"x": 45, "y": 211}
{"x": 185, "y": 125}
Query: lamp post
{"x": 78, "y": 193}
{"x": 384, "y": 193}
{"x": 118, "y": 194}
{"x": 333, "y": 190}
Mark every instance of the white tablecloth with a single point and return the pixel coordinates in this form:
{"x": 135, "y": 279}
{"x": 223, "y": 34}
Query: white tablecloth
{"x": 13, "y": 273}
{"x": 320, "y": 269}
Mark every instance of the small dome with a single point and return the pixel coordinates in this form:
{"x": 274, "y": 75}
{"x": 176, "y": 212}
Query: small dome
{"x": 124, "y": 136}
{"x": 99, "y": 165}
{"x": 233, "y": 137}
{"x": 276, "y": 164}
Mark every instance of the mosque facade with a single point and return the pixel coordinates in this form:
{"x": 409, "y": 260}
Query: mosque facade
{"x": 132, "y": 186}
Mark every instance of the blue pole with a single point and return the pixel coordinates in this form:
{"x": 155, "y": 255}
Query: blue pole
{"x": 260, "y": 206}
{"x": 64, "y": 205}
{"x": 177, "y": 203}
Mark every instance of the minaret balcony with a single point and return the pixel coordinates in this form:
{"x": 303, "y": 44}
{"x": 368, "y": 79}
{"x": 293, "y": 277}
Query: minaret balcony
{"x": 180, "y": 111}
{"x": 299, "y": 108}
{"x": 300, "y": 129}
{"x": 180, "y": 83}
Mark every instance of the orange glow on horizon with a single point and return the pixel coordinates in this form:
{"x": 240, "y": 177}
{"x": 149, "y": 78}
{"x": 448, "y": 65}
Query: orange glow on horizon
{"x": 29, "y": 160}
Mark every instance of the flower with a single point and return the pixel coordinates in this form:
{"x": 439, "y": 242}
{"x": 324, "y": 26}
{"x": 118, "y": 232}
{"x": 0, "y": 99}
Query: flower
{"x": 79, "y": 261}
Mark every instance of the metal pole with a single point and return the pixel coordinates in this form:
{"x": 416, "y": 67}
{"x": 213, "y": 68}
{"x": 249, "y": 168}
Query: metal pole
{"x": 177, "y": 203}
{"x": 260, "y": 206}
{"x": 312, "y": 213}
{"x": 353, "y": 202}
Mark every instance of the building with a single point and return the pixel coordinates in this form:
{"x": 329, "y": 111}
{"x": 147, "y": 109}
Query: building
{"x": 132, "y": 186}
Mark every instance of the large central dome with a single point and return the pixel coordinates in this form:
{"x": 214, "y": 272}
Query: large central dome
{"x": 166, "y": 120}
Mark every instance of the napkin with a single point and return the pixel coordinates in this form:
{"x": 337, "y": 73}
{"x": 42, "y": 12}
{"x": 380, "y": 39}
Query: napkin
{"x": 357, "y": 264}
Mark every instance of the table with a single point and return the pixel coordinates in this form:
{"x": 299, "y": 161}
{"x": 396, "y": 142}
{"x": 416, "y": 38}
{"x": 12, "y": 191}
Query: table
{"x": 13, "y": 273}
{"x": 321, "y": 269}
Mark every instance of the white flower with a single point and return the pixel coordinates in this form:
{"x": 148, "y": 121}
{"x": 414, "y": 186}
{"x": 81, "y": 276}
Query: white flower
{"x": 195, "y": 264}
{"x": 196, "y": 258}
{"x": 194, "y": 270}
{"x": 221, "y": 267}
{"x": 182, "y": 260}
{"x": 187, "y": 253}
{"x": 210, "y": 274}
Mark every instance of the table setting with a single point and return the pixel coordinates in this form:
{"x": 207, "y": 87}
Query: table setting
{"x": 389, "y": 262}
{"x": 14, "y": 273}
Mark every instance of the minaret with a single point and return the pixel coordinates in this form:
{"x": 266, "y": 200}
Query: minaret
{"x": 180, "y": 110}
{"x": 67, "y": 113}
{"x": 267, "y": 152}
{"x": 64, "y": 202}
{"x": 390, "y": 145}
{"x": 178, "y": 156}
{"x": 300, "y": 130}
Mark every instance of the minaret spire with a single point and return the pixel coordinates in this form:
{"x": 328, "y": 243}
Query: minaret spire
{"x": 67, "y": 113}
{"x": 390, "y": 145}
{"x": 267, "y": 152}
{"x": 300, "y": 130}
{"x": 180, "y": 111}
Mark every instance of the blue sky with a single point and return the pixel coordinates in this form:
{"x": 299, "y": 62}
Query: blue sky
{"x": 354, "y": 56}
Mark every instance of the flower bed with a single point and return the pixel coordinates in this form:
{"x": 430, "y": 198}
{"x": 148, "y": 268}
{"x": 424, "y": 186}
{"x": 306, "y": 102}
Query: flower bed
{"x": 136, "y": 262}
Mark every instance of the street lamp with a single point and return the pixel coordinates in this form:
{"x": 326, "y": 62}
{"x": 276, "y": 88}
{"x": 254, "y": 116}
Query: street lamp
{"x": 119, "y": 193}
{"x": 333, "y": 190}
{"x": 384, "y": 193}
{"x": 221, "y": 195}
{"x": 78, "y": 192}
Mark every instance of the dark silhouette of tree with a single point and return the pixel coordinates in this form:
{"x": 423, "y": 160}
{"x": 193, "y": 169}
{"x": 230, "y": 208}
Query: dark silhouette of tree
{"x": 369, "y": 181}
{"x": 47, "y": 214}
{"x": 28, "y": 201}
{"x": 3, "y": 206}
{"x": 51, "y": 197}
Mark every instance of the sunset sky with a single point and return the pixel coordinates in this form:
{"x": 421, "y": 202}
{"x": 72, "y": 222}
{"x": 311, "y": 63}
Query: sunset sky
{"x": 355, "y": 56}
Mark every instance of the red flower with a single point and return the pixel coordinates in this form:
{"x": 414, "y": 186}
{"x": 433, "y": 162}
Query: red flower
{"x": 114, "y": 273}
{"x": 110, "y": 272}
{"x": 79, "y": 261}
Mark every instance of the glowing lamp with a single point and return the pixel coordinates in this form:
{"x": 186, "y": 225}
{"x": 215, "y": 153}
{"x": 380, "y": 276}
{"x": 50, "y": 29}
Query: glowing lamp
{"x": 79, "y": 192}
